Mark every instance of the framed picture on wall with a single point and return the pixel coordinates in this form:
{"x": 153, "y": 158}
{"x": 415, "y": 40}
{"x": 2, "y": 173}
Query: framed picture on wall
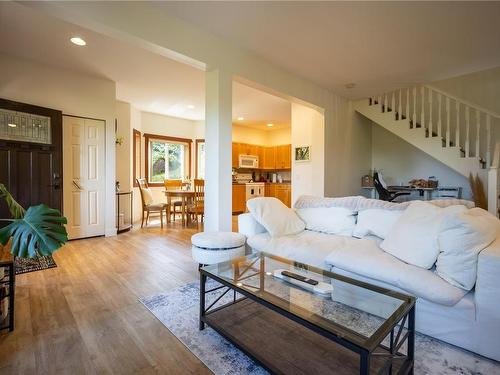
{"x": 303, "y": 153}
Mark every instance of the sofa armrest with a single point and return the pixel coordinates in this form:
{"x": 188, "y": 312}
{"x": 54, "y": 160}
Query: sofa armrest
{"x": 248, "y": 226}
{"x": 488, "y": 281}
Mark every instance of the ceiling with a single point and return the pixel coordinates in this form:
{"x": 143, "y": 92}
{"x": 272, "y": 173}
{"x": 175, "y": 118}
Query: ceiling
{"x": 376, "y": 45}
{"x": 149, "y": 81}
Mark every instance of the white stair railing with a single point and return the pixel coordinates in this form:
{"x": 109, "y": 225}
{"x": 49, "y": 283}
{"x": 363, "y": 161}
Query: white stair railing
{"x": 457, "y": 122}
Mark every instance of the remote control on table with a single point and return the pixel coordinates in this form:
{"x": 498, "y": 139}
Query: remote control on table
{"x": 299, "y": 277}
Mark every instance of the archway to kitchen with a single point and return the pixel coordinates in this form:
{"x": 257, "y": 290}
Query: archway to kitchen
{"x": 277, "y": 146}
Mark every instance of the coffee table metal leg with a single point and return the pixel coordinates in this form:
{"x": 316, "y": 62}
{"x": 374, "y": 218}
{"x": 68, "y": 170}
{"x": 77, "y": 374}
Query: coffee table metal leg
{"x": 203, "y": 280}
{"x": 364, "y": 366}
{"x": 411, "y": 338}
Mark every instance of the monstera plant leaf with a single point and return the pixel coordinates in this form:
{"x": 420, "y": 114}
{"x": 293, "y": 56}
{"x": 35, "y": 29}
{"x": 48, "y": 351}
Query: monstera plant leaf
{"x": 39, "y": 232}
{"x": 16, "y": 210}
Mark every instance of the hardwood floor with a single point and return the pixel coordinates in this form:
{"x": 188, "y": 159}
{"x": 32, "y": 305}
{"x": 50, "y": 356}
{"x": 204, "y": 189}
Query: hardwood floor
{"x": 84, "y": 317}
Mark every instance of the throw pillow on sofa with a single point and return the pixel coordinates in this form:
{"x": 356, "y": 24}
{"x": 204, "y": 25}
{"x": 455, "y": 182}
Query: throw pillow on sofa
{"x": 272, "y": 214}
{"x": 332, "y": 220}
{"x": 462, "y": 236}
{"x": 375, "y": 221}
{"x": 414, "y": 237}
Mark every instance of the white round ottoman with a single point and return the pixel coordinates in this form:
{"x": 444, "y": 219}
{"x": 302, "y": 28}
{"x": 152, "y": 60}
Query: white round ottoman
{"x": 217, "y": 247}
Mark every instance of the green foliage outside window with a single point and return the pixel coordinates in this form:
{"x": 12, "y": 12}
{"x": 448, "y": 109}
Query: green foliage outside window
{"x": 167, "y": 161}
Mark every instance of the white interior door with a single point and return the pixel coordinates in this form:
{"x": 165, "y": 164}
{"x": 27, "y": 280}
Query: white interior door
{"x": 83, "y": 175}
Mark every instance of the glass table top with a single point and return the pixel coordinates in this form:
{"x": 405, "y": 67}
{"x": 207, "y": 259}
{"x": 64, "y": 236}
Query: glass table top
{"x": 357, "y": 311}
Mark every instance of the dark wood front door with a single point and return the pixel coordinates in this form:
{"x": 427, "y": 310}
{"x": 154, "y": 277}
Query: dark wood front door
{"x": 32, "y": 171}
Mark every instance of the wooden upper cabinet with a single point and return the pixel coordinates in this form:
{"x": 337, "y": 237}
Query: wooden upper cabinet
{"x": 284, "y": 157}
{"x": 236, "y": 155}
{"x": 269, "y": 158}
{"x": 253, "y": 150}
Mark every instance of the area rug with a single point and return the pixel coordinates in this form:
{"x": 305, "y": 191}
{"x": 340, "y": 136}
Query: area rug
{"x": 23, "y": 265}
{"x": 178, "y": 311}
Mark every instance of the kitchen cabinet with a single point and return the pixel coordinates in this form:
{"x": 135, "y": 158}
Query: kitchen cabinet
{"x": 269, "y": 158}
{"x": 281, "y": 191}
{"x": 239, "y": 198}
{"x": 284, "y": 193}
{"x": 235, "y": 155}
{"x": 283, "y": 157}
{"x": 269, "y": 190}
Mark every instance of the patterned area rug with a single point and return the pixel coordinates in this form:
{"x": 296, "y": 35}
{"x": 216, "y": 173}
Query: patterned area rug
{"x": 24, "y": 265}
{"x": 178, "y": 311}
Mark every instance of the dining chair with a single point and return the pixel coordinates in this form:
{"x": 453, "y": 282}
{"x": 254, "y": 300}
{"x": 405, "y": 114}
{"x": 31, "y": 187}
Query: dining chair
{"x": 176, "y": 203}
{"x": 148, "y": 205}
{"x": 197, "y": 207}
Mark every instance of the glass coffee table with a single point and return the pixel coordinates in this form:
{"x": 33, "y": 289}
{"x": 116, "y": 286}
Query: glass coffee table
{"x": 327, "y": 324}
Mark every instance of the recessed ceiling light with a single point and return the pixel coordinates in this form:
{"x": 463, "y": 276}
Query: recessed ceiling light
{"x": 12, "y": 125}
{"x": 241, "y": 118}
{"x": 190, "y": 106}
{"x": 78, "y": 41}
{"x": 270, "y": 125}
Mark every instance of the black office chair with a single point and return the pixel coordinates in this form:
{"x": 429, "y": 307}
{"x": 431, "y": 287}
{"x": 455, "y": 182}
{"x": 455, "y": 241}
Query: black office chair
{"x": 383, "y": 193}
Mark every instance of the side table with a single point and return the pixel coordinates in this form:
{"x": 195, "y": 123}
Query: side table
{"x": 7, "y": 289}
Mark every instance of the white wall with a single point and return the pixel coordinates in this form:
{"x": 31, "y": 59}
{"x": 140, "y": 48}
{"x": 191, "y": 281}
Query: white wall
{"x": 124, "y": 151}
{"x": 74, "y": 94}
{"x": 401, "y": 162}
{"x": 308, "y": 130}
{"x": 245, "y": 134}
{"x": 279, "y": 137}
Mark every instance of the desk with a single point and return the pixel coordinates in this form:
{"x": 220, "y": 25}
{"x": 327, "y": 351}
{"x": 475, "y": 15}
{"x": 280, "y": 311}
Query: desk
{"x": 423, "y": 192}
{"x": 185, "y": 195}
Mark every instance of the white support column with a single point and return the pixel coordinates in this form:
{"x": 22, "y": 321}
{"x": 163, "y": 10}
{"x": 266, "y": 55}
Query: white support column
{"x": 218, "y": 136}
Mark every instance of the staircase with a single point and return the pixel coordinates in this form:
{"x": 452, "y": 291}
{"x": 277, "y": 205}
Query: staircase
{"x": 459, "y": 134}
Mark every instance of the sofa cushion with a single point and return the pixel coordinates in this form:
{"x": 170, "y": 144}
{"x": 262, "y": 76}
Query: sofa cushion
{"x": 272, "y": 214}
{"x": 365, "y": 258}
{"x": 462, "y": 236}
{"x": 332, "y": 220}
{"x": 375, "y": 221}
{"x": 413, "y": 238}
{"x": 306, "y": 247}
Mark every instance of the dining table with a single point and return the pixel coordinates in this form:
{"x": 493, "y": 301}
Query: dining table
{"x": 185, "y": 195}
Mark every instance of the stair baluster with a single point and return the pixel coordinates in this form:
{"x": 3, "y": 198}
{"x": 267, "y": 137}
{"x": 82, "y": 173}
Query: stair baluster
{"x": 439, "y": 116}
{"x": 422, "y": 112}
{"x": 447, "y": 122}
{"x": 467, "y": 131}
{"x": 400, "y": 108}
{"x": 393, "y": 103}
{"x": 414, "y": 119}
{"x": 478, "y": 125}
{"x": 488, "y": 140}
{"x": 430, "y": 114}
{"x": 407, "y": 104}
{"x": 385, "y": 103}
{"x": 457, "y": 126}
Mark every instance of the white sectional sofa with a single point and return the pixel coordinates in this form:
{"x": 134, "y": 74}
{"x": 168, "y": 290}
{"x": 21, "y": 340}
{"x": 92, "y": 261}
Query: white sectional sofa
{"x": 445, "y": 309}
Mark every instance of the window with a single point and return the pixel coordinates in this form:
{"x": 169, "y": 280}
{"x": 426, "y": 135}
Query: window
{"x": 167, "y": 158}
{"x": 200, "y": 158}
{"x": 136, "y": 155}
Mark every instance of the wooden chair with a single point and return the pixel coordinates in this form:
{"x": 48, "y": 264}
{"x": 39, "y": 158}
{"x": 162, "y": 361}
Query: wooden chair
{"x": 148, "y": 205}
{"x": 197, "y": 207}
{"x": 175, "y": 203}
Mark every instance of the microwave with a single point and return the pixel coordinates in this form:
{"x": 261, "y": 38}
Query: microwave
{"x": 248, "y": 161}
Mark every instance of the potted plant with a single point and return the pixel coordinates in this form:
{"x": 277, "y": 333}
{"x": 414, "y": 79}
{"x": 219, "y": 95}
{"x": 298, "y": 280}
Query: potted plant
{"x": 37, "y": 231}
